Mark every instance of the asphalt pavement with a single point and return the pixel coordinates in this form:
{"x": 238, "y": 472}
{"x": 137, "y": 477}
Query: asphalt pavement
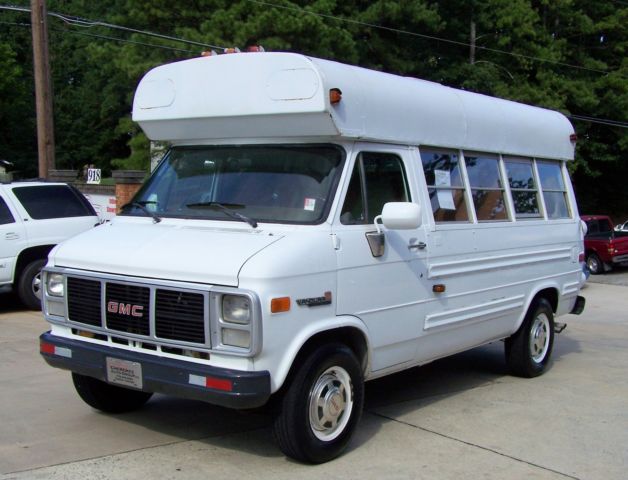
{"x": 457, "y": 418}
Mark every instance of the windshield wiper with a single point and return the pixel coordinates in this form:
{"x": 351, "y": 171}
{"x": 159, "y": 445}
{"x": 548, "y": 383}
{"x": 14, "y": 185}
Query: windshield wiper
{"x": 142, "y": 206}
{"x": 227, "y": 211}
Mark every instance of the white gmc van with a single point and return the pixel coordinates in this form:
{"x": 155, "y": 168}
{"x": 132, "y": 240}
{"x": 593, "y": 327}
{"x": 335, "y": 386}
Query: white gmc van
{"x": 314, "y": 226}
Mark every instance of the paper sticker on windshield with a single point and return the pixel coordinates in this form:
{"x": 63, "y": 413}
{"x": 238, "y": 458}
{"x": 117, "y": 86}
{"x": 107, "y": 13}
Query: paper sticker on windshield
{"x": 310, "y": 204}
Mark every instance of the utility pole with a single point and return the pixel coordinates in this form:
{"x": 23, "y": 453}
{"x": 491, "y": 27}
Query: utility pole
{"x": 43, "y": 88}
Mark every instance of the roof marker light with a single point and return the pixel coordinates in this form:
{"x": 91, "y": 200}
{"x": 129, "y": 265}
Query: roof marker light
{"x": 335, "y": 95}
{"x": 231, "y": 50}
{"x": 209, "y": 53}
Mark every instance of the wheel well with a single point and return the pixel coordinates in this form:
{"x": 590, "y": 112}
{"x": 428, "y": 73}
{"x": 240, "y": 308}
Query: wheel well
{"x": 349, "y": 336}
{"x": 29, "y": 255}
{"x": 549, "y": 294}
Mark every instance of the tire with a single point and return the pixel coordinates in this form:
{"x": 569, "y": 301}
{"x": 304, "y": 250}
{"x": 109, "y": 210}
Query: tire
{"x": 594, "y": 264}
{"x": 322, "y": 405}
{"x": 528, "y": 351}
{"x": 108, "y": 398}
{"x": 29, "y": 287}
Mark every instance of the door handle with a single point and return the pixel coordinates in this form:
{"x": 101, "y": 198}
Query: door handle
{"x": 417, "y": 246}
{"x": 12, "y": 236}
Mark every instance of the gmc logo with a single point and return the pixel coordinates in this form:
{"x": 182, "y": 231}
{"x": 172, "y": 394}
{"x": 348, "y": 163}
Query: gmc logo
{"x": 125, "y": 309}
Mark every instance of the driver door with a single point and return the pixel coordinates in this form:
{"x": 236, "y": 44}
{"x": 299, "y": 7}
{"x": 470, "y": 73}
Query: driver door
{"x": 386, "y": 292}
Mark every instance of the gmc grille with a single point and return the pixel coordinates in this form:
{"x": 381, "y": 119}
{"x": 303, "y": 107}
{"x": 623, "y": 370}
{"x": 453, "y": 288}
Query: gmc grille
{"x": 165, "y": 314}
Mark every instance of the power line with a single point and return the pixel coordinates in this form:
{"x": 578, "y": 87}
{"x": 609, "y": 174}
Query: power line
{"x": 86, "y": 23}
{"x": 105, "y": 37}
{"x": 601, "y": 121}
{"x": 428, "y": 37}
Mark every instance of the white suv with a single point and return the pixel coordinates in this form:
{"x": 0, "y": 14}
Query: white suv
{"x": 34, "y": 217}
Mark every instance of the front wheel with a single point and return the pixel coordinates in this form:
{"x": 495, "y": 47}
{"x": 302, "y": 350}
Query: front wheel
{"x": 321, "y": 406}
{"x": 29, "y": 286}
{"x": 529, "y": 349}
{"x": 108, "y": 398}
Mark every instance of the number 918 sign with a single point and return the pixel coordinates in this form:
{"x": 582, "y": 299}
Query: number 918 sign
{"x": 93, "y": 175}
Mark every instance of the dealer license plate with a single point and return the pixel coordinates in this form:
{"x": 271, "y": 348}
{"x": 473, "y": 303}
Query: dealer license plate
{"x": 125, "y": 373}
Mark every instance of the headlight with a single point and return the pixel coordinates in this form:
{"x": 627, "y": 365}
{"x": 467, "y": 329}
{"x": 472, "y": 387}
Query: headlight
{"x": 55, "y": 285}
{"x": 236, "y": 309}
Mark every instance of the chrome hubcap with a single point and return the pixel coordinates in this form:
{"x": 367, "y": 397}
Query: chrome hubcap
{"x": 330, "y": 403}
{"x": 539, "y": 337}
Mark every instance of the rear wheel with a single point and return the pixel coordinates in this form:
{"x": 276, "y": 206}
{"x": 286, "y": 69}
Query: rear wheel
{"x": 528, "y": 351}
{"x": 108, "y": 398}
{"x": 29, "y": 287}
{"x": 594, "y": 264}
{"x": 321, "y": 406}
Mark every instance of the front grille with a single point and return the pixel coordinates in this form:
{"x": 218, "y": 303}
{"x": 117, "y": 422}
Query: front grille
{"x": 180, "y": 316}
{"x": 128, "y": 308}
{"x": 84, "y": 301}
{"x": 166, "y": 314}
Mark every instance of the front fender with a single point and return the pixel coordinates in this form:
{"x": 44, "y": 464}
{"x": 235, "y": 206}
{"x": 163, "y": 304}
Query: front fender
{"x": 280, "y": 366}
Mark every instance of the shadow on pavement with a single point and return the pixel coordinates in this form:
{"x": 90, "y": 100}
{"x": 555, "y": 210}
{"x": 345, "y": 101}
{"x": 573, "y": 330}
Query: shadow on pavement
{"x": 418, "y": 387}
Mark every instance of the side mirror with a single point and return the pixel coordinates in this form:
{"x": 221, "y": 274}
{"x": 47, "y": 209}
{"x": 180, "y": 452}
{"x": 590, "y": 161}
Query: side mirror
{"x": 401, "y": 216}
{"x": 395, "y": 216}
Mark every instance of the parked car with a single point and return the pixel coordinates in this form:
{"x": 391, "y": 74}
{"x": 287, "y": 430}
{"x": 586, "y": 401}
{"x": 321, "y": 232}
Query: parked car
{"x": 34, "y": 217}
{"x": 604, "y": 246}
{"x": 622, "y": 227}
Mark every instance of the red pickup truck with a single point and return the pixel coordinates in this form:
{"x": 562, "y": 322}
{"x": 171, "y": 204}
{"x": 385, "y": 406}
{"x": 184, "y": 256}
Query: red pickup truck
{"x": 604, "y": 247}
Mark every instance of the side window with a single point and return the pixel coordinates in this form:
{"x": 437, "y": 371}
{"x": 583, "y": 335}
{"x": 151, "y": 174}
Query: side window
{"x": 5, "y": 213}
{"x": 52, "y": 201}
{"x": 523, "y": 188}
{"x": 445, "y": 185}
{"x": 554, "y": 192}
{"x": 377, "y": 178}
{"x": 487, "y": 188}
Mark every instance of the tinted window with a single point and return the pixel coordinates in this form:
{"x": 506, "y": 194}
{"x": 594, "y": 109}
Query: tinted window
{"x": 53, "y": 201}
{"x": 385, "y": 181}
{"x": 5, "y": 213}
{"x": 445, "y": 186}
{"x": 486, "y": 187}
{"x": 523, "y": 187}
{"x": 554, "y": 192}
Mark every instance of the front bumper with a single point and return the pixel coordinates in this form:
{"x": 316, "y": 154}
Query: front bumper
{"x": 159, "y": 374}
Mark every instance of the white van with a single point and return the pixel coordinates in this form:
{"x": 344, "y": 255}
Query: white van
{"x": 314, "y": 226}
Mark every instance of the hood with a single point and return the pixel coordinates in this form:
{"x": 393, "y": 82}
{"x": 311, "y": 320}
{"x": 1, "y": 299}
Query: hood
{"x": 164, "y": 251}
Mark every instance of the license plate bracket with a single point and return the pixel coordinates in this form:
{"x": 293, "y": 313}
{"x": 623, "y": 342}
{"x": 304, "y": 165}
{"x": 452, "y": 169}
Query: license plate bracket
{"x": 124, "y": 373}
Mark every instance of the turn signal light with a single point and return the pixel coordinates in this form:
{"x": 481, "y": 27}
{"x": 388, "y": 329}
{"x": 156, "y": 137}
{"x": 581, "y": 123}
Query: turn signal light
{"x": 281, "y": 304}
{"x": 438, "y": 288}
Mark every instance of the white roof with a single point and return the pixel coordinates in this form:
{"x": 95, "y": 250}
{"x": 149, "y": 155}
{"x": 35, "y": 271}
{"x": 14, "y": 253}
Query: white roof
{"x": 273, "y": 95}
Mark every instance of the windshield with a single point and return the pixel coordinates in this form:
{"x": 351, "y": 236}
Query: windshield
{"x": 252, "y": 183}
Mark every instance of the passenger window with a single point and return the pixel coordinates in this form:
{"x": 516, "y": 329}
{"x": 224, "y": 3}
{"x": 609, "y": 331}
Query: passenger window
{"x": 523, "y": 188}
{"x": 487, "y": 188}
{"x": 444, "y": 185}
{"x": 554, "y": 192}
{"x": 5, "y": 213}
{"x": 384, "y": 179}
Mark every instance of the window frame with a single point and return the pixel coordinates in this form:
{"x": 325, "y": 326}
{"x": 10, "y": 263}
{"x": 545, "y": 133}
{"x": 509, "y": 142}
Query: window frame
{"x": 359, "y": 167}
{"x": 501, "y": 180}
{"x": 463, "y": 188}
{"x": 537, "y": 190}
{"x": 565, "y": 195}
